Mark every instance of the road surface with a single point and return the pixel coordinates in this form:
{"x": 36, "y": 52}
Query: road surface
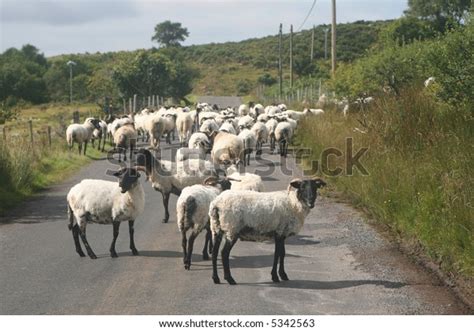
{"x": 337, "y": 265}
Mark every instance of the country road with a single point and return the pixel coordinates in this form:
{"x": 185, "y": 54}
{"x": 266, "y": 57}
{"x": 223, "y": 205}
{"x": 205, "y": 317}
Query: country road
{"x": 337, "y": 265}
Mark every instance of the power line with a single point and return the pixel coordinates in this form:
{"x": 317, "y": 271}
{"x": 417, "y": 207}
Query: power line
{"x": 307, "y": 16}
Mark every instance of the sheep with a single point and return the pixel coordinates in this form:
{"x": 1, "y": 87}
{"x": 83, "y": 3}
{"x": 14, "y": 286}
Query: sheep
{"x": 256, "y": 110}
{"x": 184, "y": 123}
{"x": 244, "y": 181}
{"x": 209, "y": 126}
{"x": 100, "y": 134}
{"x": 227, "y": 127}
{"x": 81, "y": 133}
{"x": 105, "y": 202}
{"x": 283, "y": 135}
{"x": 169, "y": 125}
{"x": 261, "y": 133}
{"x": 199, "y": 140}
{"x": 258, "y": 216}
{"x": 308, "y": 111}
{"x": 155, "y": 126}
{"x": 243, "y": 110}
{"x": 185, "y": 153}
{"x": 170, "y": 177}
{"x": 295, "y": 115}
{"x": 271, "y": 126}
{"x": 192, "y": 209}
{"x": 227, "y": 149}
{"x": 207, "y": 115}
{"x": 125, "y": 137}
{"x": 250, "y": 143}
{"x": 245, "y": 122}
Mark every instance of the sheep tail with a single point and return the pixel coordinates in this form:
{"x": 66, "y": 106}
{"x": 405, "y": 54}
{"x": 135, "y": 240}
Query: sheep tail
{"x": 189, "y": 208}
{"x": 215, "y": 223}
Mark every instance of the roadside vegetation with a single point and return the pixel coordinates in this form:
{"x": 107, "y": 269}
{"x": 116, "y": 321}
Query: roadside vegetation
{"x": 419, "y": 139}
{"x": 25, "y": 167}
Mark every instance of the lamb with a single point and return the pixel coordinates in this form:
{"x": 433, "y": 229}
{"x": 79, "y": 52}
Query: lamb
{"x": 283, "y": 135}
{"x": 125, "y": 138}
{"x": 81, "y": 133}
{"x": 227, "y": 149}
{"x": 105, "y": 202}
{"x": 184, "y": 123}
{"x": 261, "y": 133}
{"x": 170, "y": 177}
{"x": 257, "y": 216}
{"x": 244, "y": 181}
{"x": 192, "y": 210}
{"x": 250, "y": 143}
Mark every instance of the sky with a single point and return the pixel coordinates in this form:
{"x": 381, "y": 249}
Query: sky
{"x": 79, "y": 26}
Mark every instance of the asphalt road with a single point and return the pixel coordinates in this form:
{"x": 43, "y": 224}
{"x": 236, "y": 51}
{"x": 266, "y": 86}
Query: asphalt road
{"x": 337, "y": 265}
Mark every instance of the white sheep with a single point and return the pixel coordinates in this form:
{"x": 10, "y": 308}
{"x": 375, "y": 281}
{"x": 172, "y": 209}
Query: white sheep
{"x": 192, "y": 212}
{"x": 184, "y": 123}
{"x": 245, "y": 122}
{"x": 283, "y": 135}
{"x": 81, "y": 133}
{"x": 185, "y": 153}
{"x": 250, "y": 143}
{"x": 261, "y": 133}
{"x": 256, "y": 110}
{"x": 271, "y": 125}
{"x": 257, "y": 216}
{"x": 170, "y": 177}
{"x": 227, "y": 149}
{"x": 244, "y": 181}
{"x": 209, "y": 126}
{"x": 105, "y": 202}
{"x": 308, "y": 111}
{"x": 125, "y": 138}
{"x": 228, "y": 127}
{"x": 155, "y": 126}
{"x": 243, "y": 110}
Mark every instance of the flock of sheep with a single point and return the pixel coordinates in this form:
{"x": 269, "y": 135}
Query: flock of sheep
{"x": 216, "y": 194}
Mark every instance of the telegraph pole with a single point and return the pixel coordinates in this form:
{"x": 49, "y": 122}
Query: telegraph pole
{"x": 312, "y": 45}
{"x": 326, "y": 43}
{"x": 291, "y": 56}
{"x": 280, "y": 68}
{"x": 333, "y": 39}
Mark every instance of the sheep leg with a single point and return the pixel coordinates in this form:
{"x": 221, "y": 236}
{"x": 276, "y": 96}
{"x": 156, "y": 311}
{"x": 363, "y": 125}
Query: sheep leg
{"x": 80, "y": 148}
{"x": 131, "y": 231}
{"x": 192, "y": 237}
{"x": 207, "y": 243}
{"x": 215, "y": 253}
{"x": 75, "y": 235}
{"x": 225, "y": 260}
{"x": 82, "y": 233}
{"x": 184, "y": 242}
{"x": 166, "y": 198}
{"x": 116, "y": 225}
{"x": 275, "y": 260}
{"x": 85, "y": 147}
{"x": 281, "y": 270}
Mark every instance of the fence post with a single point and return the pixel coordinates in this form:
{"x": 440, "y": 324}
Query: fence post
{"x": 30, "y": 125}
{"x": 134, "y": 103}
{"x": 49, "y": 136}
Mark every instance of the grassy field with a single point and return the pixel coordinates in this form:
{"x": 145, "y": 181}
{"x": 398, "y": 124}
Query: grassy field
{"x": 419, "y": 161}
{"x": 26, "y": 168}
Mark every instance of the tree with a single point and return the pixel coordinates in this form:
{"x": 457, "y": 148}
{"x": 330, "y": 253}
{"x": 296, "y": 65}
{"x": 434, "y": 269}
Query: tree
{"x": 168, "y": 34}
{"x": 442, "y": 13}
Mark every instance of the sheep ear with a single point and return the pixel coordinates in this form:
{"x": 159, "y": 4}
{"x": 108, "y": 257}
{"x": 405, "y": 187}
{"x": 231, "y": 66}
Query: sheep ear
{"x": 319, "y": 182}
{"x": 296, "y": 183}
{"x": 119, "y": 172}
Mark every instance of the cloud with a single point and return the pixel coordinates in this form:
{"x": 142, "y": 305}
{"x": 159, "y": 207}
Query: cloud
{"x": 65, "y": 12}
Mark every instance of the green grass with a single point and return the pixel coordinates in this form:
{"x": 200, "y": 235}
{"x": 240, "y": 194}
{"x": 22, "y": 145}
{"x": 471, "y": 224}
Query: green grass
{"x": 27, "y": 168}
{"x": 420, "y": 181}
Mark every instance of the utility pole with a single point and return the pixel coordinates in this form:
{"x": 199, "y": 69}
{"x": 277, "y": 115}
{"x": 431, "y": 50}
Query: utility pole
{"x": 326, "y": 43}
{"x": 312, "y": 45}
{"x": 70, "y": 64}
{"x": 333, "y": 39}
{"x": 280, "y": 68}
{"x": 291, "y": 56}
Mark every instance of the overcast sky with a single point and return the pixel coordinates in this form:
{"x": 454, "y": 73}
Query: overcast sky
{"x": 78, "y": 26}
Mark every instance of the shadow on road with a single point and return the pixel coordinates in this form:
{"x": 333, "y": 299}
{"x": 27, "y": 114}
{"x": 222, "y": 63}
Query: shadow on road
{"x": 300, "y": 240}
{"x": 330, "y": 285}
